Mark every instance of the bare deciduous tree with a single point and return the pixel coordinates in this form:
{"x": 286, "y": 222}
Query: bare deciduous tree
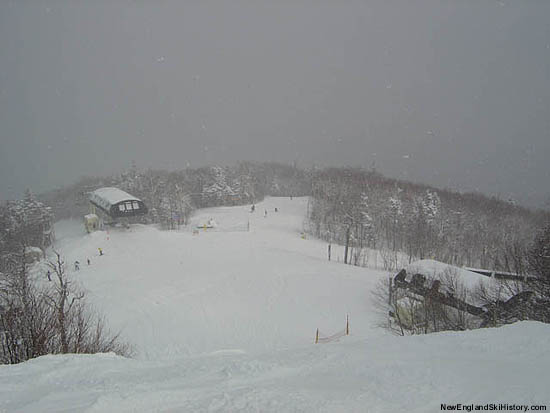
{"x": 37, "y": 320}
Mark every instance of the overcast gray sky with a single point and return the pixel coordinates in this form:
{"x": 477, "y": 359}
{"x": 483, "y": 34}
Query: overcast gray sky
{"x": 453, "y": 93}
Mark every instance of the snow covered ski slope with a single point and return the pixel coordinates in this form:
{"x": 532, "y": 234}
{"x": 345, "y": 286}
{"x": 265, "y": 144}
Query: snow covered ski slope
{"x": 178, "y": 293}
{"x": 224, "y": 320}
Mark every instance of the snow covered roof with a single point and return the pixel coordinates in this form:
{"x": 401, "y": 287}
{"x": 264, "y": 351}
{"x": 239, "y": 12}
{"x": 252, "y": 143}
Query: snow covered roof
{"x": 436, "y": 269}
{"x": 467, "y": 280}
{"x": 108, "y": 196}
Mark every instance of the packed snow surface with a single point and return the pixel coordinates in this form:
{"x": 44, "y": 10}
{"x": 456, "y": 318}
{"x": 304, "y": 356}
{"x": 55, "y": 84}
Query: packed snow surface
{"x": 179, "y": 293}
{"x": 384, "y": 374}
{"x": 225, "y": 320}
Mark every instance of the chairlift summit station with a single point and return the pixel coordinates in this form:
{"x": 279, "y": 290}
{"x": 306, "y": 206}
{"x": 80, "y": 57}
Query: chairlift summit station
{"x": 111, "y": 206}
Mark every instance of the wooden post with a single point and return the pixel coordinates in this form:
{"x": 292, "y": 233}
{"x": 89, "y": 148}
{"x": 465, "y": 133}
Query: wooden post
{"x": 346, "y": 249}
{"x": 390, "y": 302}
{"x": 390, "y": 293}
{"x": 317, "y": 336}
{"x": 347, "y": 324}
{"x": 329, "y": 248}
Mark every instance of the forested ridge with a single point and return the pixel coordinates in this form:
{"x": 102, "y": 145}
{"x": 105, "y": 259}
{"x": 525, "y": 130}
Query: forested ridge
{"x": 351, "y": 206}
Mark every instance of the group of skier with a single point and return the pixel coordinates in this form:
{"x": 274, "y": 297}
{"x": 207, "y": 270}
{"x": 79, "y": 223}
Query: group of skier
{"x": 76, "y": 265}
{"x": 253, "y": 208}
{"x": 88, "y": 261}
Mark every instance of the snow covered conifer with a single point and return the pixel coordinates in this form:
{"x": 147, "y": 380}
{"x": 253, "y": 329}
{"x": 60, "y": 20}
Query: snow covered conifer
{"x": 217, "y": 191}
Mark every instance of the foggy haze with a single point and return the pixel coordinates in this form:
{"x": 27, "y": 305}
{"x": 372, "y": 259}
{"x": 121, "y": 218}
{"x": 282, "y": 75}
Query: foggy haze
{"x": 451, "y": 93}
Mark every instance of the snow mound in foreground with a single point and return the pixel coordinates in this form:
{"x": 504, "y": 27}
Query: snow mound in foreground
{"x": 387, "y": 374}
